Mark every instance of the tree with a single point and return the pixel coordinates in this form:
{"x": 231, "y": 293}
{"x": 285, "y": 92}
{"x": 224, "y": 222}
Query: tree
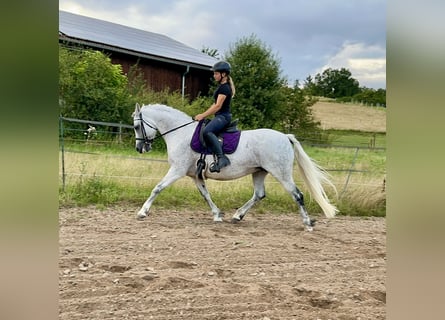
{"x": 256, "y": 72}
{"x": 334, "y": 83}
{"x": 371, "y": 96}
{"x": 91, "y": 87}
{"x": 309, "y": 86}
{"x": 297, "y": 116}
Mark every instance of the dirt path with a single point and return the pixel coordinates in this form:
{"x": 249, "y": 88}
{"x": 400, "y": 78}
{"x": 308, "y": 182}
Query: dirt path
{"x": 181, "y": 265}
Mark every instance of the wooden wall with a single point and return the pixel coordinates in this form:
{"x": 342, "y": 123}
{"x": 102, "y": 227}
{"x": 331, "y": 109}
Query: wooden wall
{"x": 162, "y": 75}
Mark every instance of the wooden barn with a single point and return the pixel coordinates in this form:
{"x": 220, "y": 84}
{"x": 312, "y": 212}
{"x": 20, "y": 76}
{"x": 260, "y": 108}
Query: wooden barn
{"x": 166, "y": 63}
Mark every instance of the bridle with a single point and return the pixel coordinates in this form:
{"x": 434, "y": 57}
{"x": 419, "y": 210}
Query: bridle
{"x": 145, "y": 138}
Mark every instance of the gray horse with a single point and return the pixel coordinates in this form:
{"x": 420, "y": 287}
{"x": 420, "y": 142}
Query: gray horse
{"x": 259, "y": 152}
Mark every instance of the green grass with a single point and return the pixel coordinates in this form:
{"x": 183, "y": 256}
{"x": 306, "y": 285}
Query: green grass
{"x": 356, "y": 138}
{"x": 110, "y": 174}
{"x": 102, "y": 192}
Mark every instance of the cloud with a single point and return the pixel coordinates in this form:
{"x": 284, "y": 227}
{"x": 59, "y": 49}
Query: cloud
{"x": 303, "y": 34}
{"x": 72, "y": 7}
{"x": 367, "y": 63}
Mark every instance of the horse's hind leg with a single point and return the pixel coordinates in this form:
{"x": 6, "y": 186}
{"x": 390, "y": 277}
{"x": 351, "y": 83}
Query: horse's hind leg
{"x": 298, "y": 198}
{"x": 200, "y": 184}
{"x": 259, "y": 193}
{"x": 297, "y": 195}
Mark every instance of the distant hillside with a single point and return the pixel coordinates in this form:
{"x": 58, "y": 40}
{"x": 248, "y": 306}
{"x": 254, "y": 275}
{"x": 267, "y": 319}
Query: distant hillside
{"x": 349, "y": 117}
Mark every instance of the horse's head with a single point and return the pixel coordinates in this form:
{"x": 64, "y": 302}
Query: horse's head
{"x": 144, "y": 131}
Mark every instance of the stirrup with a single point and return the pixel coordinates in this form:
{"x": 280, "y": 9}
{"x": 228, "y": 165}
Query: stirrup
{"x": 214, "y": 167}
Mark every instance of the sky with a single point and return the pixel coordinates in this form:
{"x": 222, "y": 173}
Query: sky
{"x": 306, "y": 37}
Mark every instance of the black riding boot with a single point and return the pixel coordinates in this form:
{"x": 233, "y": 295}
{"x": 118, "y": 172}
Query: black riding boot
{"x": 222, "y": 160}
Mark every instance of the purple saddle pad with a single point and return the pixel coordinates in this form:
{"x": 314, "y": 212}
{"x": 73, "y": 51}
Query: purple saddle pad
{"x": 230, "y": 141}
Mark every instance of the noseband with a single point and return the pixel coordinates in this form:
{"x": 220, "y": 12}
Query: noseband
{"x": 144, "y": 138}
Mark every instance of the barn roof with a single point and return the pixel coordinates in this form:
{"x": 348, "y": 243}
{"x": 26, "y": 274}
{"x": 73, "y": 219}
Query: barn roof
{"x": 111, "y": 36}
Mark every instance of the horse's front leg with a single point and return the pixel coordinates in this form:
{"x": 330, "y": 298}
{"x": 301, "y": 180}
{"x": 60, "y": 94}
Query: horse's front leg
{"x": 217, "y": 214}
{"x": 171, "y": 176}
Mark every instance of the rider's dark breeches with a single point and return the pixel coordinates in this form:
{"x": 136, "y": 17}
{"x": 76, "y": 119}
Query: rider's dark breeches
{"x": 212, "y": 129}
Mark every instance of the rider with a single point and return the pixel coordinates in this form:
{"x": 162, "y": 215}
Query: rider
{"x": 221, "y": 109}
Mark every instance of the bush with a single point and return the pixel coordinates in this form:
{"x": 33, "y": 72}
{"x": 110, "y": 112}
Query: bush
{"x": 92, "y": 88}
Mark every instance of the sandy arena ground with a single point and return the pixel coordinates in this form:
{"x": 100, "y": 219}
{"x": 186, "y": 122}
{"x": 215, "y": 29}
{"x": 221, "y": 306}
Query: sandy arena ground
{"x": 182, "y": 265}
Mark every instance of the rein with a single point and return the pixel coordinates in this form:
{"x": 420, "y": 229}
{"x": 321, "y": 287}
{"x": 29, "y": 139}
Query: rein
{"x": 144, "y": 134}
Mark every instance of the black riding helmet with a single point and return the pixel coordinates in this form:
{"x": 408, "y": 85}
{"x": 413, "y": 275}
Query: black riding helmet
{"x": 222, "y": 66}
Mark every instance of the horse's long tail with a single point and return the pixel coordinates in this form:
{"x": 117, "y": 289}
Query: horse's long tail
{"x": 314, "y": 176}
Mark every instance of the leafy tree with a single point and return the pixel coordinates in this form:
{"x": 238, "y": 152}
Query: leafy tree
{"x": 334, "y": 83}
{"x": 371, "y": 96}
{"x": 380, "y": 97}
{"x": 309, "y": 86}
{"x": 91, "y": 87}
{"x": 256, "y": 73}
{"x": 297, "y": 116}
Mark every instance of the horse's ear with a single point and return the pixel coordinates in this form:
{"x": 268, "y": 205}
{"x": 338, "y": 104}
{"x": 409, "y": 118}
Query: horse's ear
{"x": 137, "y": 109}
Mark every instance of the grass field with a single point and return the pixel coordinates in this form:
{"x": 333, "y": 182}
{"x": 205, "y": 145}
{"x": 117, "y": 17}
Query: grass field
{"x": 341, "y": 116}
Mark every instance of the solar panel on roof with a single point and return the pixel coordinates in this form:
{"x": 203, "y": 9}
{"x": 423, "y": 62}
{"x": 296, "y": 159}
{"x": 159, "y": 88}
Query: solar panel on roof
{"x": 120, "y": 36}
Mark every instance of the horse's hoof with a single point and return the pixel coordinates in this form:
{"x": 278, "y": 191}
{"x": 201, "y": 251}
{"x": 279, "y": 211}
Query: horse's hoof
{"x": 218, "y": 217}
{"x": 141, "y": 216}
{"x": 309, "y": 228}
{"x": 235, "y": 220}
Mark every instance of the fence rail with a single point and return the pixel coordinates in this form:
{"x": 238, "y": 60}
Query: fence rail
{"x": 349, "y": 171}
{"x": 109, "y": 124}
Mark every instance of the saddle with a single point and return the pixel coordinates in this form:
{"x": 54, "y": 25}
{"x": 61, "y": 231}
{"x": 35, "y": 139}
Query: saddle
{"x": 229, "y": 138}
